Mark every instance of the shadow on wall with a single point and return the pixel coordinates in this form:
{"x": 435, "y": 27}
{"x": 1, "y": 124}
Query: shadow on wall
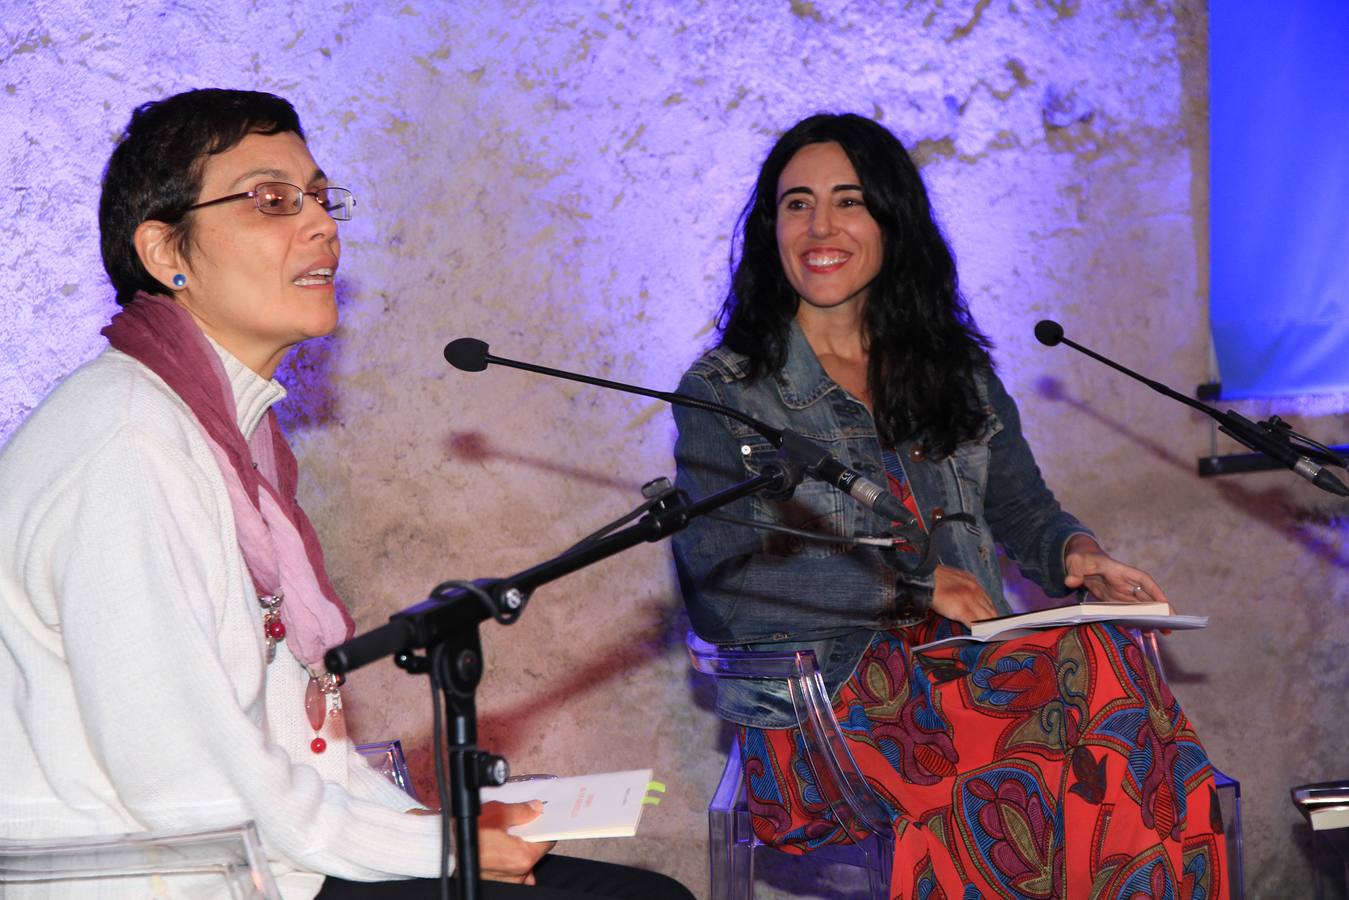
{"x": 1274, "y": 508}
{"x": 475, "y": 446}
{"x": 309, "y": 374}
{"x": 1325, "y": 853}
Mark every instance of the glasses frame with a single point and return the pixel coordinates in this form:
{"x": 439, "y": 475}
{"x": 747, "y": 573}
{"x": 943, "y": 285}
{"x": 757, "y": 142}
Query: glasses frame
{"x": 347, "y": 206}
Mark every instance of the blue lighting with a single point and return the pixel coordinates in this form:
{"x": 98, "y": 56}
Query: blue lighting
{"x": 1280, "y": 196}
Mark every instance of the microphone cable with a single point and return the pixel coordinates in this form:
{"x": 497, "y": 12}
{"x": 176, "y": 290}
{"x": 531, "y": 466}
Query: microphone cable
{"x": 927, "y": 557}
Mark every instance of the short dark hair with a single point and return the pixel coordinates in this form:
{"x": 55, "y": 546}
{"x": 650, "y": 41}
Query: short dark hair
{"x": 923, "y": 343}
{"x": 155, "y": 171}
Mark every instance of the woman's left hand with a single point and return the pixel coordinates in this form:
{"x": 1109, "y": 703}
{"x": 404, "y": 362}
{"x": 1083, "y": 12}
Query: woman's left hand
{"x": 1106, "y": 578}
{"x": 502, "y": 856}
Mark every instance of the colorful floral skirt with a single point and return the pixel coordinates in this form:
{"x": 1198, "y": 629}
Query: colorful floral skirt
{"x": 1054, "y": 765}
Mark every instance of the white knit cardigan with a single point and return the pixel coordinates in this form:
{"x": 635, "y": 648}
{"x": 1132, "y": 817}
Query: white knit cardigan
{"x": 134, "y": 692}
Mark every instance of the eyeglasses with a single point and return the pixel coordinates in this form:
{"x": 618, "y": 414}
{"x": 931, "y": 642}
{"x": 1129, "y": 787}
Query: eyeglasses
{"x": 277, "y": 198}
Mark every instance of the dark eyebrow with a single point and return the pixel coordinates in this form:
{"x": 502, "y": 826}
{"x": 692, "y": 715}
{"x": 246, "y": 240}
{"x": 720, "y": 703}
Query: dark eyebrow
{"x": 275, "y": 174}
{"x": 838, "y": 188}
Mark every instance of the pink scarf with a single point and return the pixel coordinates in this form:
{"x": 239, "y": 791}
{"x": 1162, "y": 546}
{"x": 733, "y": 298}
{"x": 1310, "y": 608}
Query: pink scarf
{"x": 278, "y": 542}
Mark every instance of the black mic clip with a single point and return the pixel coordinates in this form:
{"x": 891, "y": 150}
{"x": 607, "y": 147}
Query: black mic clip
{"x": 1300, "y": 443}
{"x": 913, "y": 535}
{"x": 787, "y": 474}
{"x": 1276, "y": 439}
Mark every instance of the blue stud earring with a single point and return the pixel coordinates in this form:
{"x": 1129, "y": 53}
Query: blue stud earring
{"x": 180, "y": 280}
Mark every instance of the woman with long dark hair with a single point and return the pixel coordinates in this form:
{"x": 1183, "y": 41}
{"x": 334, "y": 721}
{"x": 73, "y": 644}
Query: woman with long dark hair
{"x": 1045, "y": 766}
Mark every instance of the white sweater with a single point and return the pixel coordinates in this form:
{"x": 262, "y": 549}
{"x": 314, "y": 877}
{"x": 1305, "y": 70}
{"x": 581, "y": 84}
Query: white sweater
{"x": 134, "y": 693}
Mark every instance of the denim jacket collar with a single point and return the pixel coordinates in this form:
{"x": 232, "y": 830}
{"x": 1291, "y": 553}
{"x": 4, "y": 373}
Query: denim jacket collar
{"x": 802, "y": 380}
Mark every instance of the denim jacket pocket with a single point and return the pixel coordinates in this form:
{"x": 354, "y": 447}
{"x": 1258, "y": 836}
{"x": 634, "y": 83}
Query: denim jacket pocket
{"x": 814, "y": 506}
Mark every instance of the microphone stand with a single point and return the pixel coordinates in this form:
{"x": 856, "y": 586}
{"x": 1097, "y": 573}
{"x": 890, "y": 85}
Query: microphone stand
{"x": 1273, "y": 438}
{"x": 446, "y": 625}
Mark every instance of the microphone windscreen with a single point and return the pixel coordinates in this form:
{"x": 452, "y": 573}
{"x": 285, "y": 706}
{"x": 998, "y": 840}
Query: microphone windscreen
{"x": 467, "y": 354}
{"x": 1047, "y": 332}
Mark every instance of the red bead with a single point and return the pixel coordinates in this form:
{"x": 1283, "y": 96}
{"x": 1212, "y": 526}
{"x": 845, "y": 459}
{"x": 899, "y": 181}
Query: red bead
{"x": 276, "y": 629}
{"x": 318, "y": 745}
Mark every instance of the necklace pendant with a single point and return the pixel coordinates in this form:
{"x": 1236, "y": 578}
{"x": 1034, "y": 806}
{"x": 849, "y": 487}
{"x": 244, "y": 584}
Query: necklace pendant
{"x": 273, "y": 629}
{"x": 315, "y": 703}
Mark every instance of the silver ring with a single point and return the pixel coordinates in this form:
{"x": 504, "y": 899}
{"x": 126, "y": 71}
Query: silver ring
{"x": 1136, "y": 588}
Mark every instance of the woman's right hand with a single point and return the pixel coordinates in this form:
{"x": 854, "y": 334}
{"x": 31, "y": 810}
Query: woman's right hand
{"x": 504, "y": 857}
{"x": 959, "y": 597}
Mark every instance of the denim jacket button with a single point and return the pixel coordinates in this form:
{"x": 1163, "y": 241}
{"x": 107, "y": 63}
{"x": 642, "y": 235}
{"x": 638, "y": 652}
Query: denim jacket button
{"x": 916, "y": 453}
{"x": 795, "y": 544}
{"x": 938, "y": 513}
{"x": 745, "y": 450}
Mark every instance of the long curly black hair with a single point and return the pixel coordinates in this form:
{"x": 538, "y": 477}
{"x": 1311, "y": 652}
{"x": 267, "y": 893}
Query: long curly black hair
{"x": 922, "y": 343}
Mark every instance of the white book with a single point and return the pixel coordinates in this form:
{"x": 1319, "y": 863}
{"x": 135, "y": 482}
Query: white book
{"x": 1150, "y": 614}
{"x": 1328, "y": 818}
{"x": 607, "y": 804}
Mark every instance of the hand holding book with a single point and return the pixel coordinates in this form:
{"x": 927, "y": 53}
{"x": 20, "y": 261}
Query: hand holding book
{"x": 1155, "y": 614}
{"x": 504, "y": 856}
{"x": 581, "y": 806}
{"x": 1107, "y": 579}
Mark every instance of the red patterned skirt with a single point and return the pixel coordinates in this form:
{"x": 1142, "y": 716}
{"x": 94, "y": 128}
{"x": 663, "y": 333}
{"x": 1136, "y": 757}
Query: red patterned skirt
{"x": 1053, "y": 765}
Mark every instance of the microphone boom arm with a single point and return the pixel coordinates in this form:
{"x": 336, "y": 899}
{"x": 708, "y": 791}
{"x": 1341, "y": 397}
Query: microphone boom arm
{"x": 774, "y": 435}
{"x": 470, "y": 355}
{"x": 1271, "y": 438}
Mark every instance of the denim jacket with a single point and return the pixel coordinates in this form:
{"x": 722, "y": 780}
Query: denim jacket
{"x": 745, "y": 587}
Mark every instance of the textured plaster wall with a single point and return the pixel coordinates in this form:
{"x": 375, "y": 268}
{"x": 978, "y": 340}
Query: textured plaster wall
{"x": 561, "y": 179}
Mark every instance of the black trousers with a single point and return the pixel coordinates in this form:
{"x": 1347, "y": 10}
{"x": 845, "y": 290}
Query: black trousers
{"x": 558, "y": 877}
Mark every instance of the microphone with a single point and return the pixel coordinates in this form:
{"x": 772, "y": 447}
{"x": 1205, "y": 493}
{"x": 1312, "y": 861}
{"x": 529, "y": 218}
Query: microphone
{"x": 1048, "y": 332}
{"x": 1262, "y": 437}
{"x": 470, "y": 355}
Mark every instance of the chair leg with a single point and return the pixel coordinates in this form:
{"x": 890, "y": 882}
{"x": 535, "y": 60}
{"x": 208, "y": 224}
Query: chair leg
{"x": 879, "y": 883}
{"x": 731, "y": 857}
{"x": 881, "y": 856}
{"x": 1229, "y": 803}
{"x": 742, "y": 857}
{"x": 730, "y": 837}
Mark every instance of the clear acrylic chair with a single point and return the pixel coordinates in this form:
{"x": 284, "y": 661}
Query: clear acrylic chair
{"x": 731, "y": 841}
{"x": 1229, "y": 789}
{"x": 222, "y": 862}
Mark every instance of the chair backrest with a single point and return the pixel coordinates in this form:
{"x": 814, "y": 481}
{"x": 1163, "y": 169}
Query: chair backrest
{"x": 223, "y": 862}
{"x": 386, "y": 758}
{"x": 842, "y": 785}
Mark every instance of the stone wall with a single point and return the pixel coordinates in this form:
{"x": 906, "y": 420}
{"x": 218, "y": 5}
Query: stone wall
{"x": 561, "y": 179}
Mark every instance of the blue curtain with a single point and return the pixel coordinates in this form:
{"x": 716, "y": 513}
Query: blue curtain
{"x": 1279, "y": 296}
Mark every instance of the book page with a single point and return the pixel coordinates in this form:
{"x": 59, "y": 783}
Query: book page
{"x": 1070, "y": 613}
{"x": 606, "y": 804}
{"x": 1121, "y": 617}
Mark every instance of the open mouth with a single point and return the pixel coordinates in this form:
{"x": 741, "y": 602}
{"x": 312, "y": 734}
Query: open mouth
{"x": 825, "y": 260}
{"x": 321, "y": 275}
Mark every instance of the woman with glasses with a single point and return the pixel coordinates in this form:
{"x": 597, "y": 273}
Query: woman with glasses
{"x": 1054, "y": 765}
{"x": 165, "y": 608}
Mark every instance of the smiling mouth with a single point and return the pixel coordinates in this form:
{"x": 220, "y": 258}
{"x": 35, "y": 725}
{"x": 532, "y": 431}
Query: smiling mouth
{"x": 825, "y": 260}
{"x": 321, "y": 275}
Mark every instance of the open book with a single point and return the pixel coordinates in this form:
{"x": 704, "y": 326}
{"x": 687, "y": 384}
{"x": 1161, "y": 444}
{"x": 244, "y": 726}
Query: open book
{"x": 1152, "y": 614}
{"x": 608, "y": 804}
